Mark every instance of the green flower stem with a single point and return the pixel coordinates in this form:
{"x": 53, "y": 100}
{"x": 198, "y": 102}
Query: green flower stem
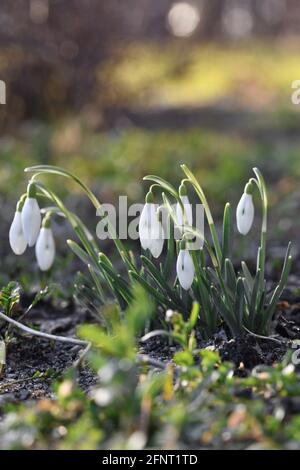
{"x": 201, "y": 195}
{"x": 170, "y": 251}
{"x": 46, "y": 169}
{"x": 84, "y": 236}
{"x": 190, "y": 230}
{"x": 213, "y": 231}
{"x": 75, "y": 222}
{"x": 260, "y": 183}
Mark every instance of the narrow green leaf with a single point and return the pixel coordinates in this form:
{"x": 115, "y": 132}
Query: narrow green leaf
{"x": 79, "y": 252}
{"x": 162, "y": 299}
{"x": 163, "y": 184}
{"x": 253, "y": 300}
{"x": 160, "y": 281}
{"x": 226, "y": 240}
{"x": 279, "y": 289}
{"x": 248, "y": 278}
{"x": 230, "y": 276}
{"x": 239, "y": 302}
{"x": 224, "y": 311}
{"x": 194, "y": 316}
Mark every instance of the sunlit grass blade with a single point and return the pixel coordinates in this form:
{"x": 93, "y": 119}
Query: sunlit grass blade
{"x": 226, "y": 312}
{"x": 158, "y": 278}
{"x": 226, "y": 240}
{"x": 253, "y": 300}
{"x": 163, "y": 184}
{"x": 230, "y": 276}
{"x": 279, "y": 289}
{"x": 79, "y": 252}
{"x": 158, "y": 296}
{"x": 248, "y": 277}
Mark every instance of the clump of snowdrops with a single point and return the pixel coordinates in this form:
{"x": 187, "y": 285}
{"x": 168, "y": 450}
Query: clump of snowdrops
{"x": 237, "y": 298}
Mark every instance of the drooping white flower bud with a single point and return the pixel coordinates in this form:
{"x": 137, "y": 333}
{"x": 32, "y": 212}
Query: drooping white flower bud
{"x": 45, "y": 246}
{"x": 185, "y": 268}
{"x": 151, "y": 231}
{"x": 184, "y": 214}
{"x": 157, "y": 237}
{"x": 245, "y": 211}
{"x": 147, "y": 215}
{"x": 16, "y": 237}
{"x": 31, "y": 216}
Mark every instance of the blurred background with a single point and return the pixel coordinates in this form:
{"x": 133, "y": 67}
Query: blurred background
{"x": 118, "y": 89}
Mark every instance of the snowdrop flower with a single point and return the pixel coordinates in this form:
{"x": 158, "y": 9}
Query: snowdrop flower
{"x": 147, "y": 214}
{"x": 185, "y": 268}
{"x": 184, "y": 215}
{"x": 45, "y": 246}
{"x": 151, "y": 232}
{"x": 245, "y": 211}
{"x": 31, "y": 216}
{"x": 16, "y": 237}
{"x": 157, "y": 237}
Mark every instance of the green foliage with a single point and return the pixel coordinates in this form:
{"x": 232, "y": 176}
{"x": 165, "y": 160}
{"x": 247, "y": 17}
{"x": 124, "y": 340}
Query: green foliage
{"x": 118, "y": 338}
{"x": 9, "y": 297}
{"x": 237, "y": 297}
{"x": 192, "y": 406}
{"x": 181, "y": 332}
{"x": 114, "y": 162}
{"x": 240, "y": 299}
{"x": 196, "y": 401}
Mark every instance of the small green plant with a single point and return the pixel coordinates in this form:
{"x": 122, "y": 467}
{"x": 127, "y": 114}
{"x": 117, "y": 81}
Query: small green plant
{"x": 200, "y": 406}
{"x": 236, "y": 297}
{"x": 9, "y": 302}
{"x": 181, "y": 332}
{"x": 120, "y": 337}
{"x": 9, "y": 298}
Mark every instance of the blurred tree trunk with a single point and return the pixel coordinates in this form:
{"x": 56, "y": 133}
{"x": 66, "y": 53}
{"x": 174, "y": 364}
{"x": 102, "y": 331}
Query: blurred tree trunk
{"x": 51, "y": 53}
{"x": 212, "y": 12}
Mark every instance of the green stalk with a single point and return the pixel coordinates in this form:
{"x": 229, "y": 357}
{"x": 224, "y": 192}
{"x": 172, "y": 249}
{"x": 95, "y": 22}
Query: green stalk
{"x": 75, "y": 222}
{"x": 212, "y": 227}
{"x": 260, "y": 182}
{"x": 202, "y": 197}
{"x": 46, "y": 169}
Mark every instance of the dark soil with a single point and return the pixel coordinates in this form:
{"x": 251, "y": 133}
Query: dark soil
{"x": 28, "y": 355}
{"x": 247, "y": 351}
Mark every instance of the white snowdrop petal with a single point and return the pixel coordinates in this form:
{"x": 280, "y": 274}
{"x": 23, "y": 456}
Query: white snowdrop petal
{"x": 185, "y": 269}
{"x": 45, "y": 249}
{"x": 16, "y": 237}
{"x": 245, "y": 214}
{"x": 157, "y": 238}
{"x": 144, "y": 228}
{"x": 31, "y": 220}
{"x": 147, "y": 218}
